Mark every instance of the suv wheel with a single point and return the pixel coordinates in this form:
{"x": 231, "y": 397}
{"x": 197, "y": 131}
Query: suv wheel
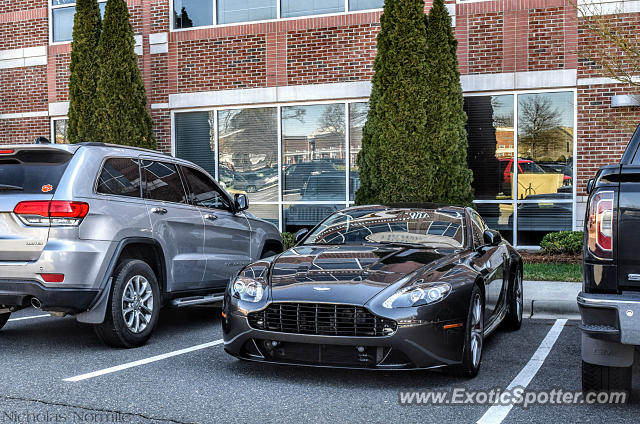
{"x": 598, "y": 378}
{"x": 4, "y": 318}
{"x": 134, "y": 306}
{"x": 474, "y": 337}
{"x": 513, "y": 320}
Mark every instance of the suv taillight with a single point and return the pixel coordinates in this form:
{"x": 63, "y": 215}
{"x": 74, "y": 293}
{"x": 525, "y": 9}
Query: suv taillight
{"x": 601, "y": 225}
{"x": 54, "y": 213}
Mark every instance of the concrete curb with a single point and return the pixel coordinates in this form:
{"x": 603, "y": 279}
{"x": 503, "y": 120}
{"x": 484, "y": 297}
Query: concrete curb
{"x": 551, "y": 299}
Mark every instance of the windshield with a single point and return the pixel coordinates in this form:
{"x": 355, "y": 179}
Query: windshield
{"x": 440, "y": 228}
{"x": 32, "y": 171}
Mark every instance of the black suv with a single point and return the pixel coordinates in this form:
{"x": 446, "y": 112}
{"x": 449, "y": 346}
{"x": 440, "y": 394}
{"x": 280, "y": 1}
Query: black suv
{"x": 610, "y": 300}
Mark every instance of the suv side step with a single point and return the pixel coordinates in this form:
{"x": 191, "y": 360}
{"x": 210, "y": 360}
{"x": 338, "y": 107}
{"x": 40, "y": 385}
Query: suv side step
{"x": 196, "y": 300}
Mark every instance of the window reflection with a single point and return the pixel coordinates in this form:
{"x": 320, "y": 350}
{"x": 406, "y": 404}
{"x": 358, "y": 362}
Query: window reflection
{"x": 545, "y": 145}
{"x": 230, "y": 11}
{"x": 292, "y": 8}
{"x": 491, "y": 144}
{"x": 357, "y": 118}
{"x": 314, "y": 146}
{"x": 192, "y": 13}
{"x": 248, "y": 143}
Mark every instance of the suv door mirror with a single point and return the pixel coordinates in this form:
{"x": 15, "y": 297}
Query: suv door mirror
{"x": 590, "y": 185}
{"x": 492, "y": 238}
{"x": 300, "y": 234}
{"x": 241, "y": 202}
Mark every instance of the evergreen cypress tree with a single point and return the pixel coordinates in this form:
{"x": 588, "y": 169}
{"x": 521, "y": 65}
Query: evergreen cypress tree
{"x": 445, "y": 114}
{"x": 123, "y": 117}
{"x": 84, "y": 72}
{"x": 395, "y": 157}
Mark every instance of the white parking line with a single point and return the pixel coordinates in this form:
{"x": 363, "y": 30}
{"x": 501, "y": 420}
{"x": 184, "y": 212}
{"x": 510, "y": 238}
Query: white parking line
{"x": 497, "y": 413}
{"x": 141, "y": 362}
{"x": 32, "y": 317}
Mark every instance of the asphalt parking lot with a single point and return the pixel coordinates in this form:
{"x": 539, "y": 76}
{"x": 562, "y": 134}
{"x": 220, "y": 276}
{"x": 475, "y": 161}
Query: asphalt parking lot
{"x": 56, "y": 370}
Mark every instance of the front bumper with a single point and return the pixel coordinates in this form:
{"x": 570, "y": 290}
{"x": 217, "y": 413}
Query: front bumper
{"x": 18, "y": 294}
{"x": 412, "y": 346}
{"x": 611, "y": 317}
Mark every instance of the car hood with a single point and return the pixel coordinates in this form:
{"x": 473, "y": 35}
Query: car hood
{"x": 349, "y": 274}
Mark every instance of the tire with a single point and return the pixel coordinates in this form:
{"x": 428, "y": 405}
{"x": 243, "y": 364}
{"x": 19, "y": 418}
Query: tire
{"x": 129, "y": 280}
{"x": 474, "y": 333}
{"x": 4, "y": 318}
{"x": 267, "y": 253}
{"x": 600, "y": 378}
{"x": 513, "y": 320}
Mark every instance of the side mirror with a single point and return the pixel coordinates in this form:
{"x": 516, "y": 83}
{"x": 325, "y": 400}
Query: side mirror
{"x": 492, "y": 238}
{"x": 301, "y": 234}
{"x": 590, "y": 185}
{"x": 241, "y": 202}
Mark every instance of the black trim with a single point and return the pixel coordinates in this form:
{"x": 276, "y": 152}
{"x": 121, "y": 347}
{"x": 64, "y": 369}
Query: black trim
{"x": 630, "y": 153}
{"x": 20, "y": 293}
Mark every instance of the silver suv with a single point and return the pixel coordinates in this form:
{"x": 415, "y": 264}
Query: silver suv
{"x": 112, "y": 234}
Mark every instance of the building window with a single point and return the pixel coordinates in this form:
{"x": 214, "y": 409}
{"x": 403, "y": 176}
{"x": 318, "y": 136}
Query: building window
{"x": 59, "y": 131}
{"x": 365, "y": 4}
{"x": 199, "y": 13}
{"x": 294, "y": 8}
{"x": 62, "y": 13}
{"x": 231, "y": 11}
{"x": 523, "y": 165}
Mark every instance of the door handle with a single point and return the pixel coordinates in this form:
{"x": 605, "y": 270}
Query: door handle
{"x": 210, "y": 216}
{"x": 159, "y": 211}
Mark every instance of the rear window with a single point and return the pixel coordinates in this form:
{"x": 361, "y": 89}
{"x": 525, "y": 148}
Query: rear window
{"x": 32, "y": 171}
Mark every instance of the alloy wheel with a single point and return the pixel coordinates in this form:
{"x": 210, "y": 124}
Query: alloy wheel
{"x": 477, "y": 329}
{"x": 137, "y": 304}
{"x": 518, "y": 296}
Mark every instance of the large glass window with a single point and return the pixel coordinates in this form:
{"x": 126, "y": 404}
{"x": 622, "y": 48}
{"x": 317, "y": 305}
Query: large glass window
{"x": 523, "y": 166}
{"x": 365, "y": 4}
{"x": 357, "y": 118}
{"x": 196, "y": 13}
{"x": 60, "y": 127}
{"x": 313, "y": 152}
{"x": 195, "y": 139}
{"x": 230, "y": 11}
{"x": 248, "y": 159}
{"x": 192, "y": 13}
{"x": 292, "y": 8}
{"x": 62, "y": 13}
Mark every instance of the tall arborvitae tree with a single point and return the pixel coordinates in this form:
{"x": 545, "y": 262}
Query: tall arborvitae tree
{"x": 123, "y": 117}
{"x": 395, "y": 157}
{"x": 445, "y": 113}
{"x": 84, "y": 72}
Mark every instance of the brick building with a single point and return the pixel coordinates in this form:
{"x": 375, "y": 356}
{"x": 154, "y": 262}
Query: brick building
{"x": 270, "y": 96}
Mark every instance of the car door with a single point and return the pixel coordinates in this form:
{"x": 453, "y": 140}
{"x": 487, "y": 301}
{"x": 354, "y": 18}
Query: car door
{"x": 490, "y": 263}
{"x": 176, "y": 224}
{"x": 227, "y": 235}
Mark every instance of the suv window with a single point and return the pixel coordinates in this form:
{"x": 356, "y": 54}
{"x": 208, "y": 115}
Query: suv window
{"x": 120, "y": 177}
{"x": 32, "y": 171}
{"x": 204, "y": 191}
{"x": 161, "y": 181}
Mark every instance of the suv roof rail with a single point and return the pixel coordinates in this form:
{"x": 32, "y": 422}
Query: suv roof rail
{"x": 120, "y": 146}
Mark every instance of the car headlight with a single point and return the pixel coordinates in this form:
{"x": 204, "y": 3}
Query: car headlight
{"x": 247, "y": 289}
{"x": 417, "y": 294}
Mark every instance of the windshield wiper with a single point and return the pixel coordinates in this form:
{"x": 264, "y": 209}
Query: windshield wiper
{"x": 6, "y": 187}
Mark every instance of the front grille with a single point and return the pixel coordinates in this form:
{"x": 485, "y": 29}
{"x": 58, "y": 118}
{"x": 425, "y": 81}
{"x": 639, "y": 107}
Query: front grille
{"x": 321, "y": 319}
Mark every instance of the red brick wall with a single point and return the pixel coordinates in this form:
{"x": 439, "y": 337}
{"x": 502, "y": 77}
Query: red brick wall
{"x": 28, "y": 88}
{"x": 546, "y": 39}
{"x": 62, "y": 61}
{"x": 159, "y": 79}
{"x": 21, "y": 131}
{"x": 8, "y": 6}
{"x": 160, "y": 16}
{"x": 603, "y": 131}
{"x": 222, "y": 63}
{"x": 162, "y": 129}
{"x": 328, "y": 55}
{"x": 485, "y": 43}
{"x": 15, "y": 34}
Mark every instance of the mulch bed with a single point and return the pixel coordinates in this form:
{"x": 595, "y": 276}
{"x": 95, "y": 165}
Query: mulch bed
{"x": 537, "y": 258}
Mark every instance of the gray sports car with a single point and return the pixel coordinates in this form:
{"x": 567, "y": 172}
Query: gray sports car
{"x": 378, "y": 287}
